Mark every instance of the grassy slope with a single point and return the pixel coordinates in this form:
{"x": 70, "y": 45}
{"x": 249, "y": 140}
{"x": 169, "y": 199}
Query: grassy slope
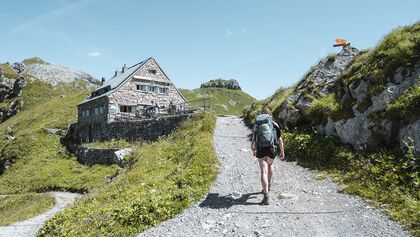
{"x": 34, "y": 60}
{"x": 385, "y": 178}
{"x": 8, "y": 72}
{"x": 19, "y": 207}
{"x": 169, "y": 175}
{"x": 273, "y": 102}
{"x": 40, "y": 163}
{"x": 234, "y": 100}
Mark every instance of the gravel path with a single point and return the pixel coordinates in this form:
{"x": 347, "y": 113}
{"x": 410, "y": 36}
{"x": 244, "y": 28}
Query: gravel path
{"x": 29, "y": 227}
{"x": 309, "y": 207}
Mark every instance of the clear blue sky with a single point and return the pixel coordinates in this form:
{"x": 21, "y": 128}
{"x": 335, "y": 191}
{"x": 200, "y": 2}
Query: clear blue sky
{"x": 263, "y": 44}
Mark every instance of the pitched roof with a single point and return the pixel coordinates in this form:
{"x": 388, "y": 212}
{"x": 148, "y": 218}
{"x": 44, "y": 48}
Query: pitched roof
{"x": 114, "y": 82}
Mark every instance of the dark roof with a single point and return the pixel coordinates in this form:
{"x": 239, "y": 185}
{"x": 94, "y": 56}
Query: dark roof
{"x": 113, "y": 83}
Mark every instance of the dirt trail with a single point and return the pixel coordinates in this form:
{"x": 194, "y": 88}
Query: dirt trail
{"x": 29, "y": 227}
{"x": 309, "y": 207}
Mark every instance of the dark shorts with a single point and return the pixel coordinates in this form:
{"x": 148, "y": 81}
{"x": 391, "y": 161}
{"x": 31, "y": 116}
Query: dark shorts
{"x": 266, "y": 151}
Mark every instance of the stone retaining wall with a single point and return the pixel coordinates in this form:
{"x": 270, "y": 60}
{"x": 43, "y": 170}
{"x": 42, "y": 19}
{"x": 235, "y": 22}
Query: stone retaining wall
{"x": 149, "y": 130}
{"x": 91, "y": 156}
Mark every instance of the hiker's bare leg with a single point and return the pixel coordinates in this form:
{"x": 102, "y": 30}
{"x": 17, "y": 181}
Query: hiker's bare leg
{"x": 264, "y": 173}
{"x": 270, "y": 169}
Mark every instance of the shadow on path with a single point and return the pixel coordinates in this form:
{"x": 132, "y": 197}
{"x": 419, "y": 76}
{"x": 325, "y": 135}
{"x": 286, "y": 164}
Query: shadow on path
{"x": 215, "y": 201}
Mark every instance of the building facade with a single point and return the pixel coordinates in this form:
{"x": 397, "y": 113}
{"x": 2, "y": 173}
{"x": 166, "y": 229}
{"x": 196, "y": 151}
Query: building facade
{"x": 127, "y": 94}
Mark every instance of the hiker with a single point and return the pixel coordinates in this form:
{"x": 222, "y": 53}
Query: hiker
{"x": 155, "y": 109}
{"x": 266, "y": 145}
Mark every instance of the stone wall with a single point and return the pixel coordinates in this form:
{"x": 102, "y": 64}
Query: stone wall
{"x": 92, "y": 156}
{"x": 150, "y": 129}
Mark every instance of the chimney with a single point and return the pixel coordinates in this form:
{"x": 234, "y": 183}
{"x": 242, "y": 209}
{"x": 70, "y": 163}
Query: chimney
{"x": 116, "y": 73}
{"x": 124, "y": 68}
{"x": 102, "y": 81}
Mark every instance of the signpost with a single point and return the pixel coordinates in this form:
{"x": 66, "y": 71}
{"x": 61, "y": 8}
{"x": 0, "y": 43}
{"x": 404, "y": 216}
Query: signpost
{"x": 340, "y": 42}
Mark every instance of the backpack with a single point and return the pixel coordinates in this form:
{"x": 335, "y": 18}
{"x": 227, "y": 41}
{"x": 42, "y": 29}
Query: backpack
{"x": 265, "y": 133}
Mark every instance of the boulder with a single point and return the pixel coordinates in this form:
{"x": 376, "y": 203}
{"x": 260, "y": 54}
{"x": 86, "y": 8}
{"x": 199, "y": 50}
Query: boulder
{"x": 356, "y": 131}
{"x": 410, "y": 135}
{"x": 18, "y": 67}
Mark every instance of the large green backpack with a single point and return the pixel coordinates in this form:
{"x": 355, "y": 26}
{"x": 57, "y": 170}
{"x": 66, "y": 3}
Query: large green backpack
{"x": 265, "y": 132}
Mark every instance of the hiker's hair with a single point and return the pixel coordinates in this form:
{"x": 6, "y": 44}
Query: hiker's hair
{"x": 266, "y": 110}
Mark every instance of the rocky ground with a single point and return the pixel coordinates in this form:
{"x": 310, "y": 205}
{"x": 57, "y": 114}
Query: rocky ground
{"x": 29, "y": 227}
{"x": 301, "y": 204}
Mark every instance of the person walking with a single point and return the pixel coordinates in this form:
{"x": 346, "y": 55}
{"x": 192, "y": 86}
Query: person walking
{"x": 266, "y": 145}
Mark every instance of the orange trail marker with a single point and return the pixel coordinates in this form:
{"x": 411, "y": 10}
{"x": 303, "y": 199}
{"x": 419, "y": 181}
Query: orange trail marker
{"x": 340, "y": 42}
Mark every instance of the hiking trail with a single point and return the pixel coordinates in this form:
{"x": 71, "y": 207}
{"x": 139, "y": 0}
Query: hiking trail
{"x": 307, "y": 207}
{"x": 29, "y": 227}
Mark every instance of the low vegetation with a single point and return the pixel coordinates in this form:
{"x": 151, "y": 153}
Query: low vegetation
{"x": 320, "y": 109}
{"x": 273, "y": 102}
{"x": 8, "y": 72}
{"x": 34, "y": 60}
{"x": 20, "y": 207}
{"x": 222, "y": 101}
{"x": 38, "y": 161}
{"x": 406, "y": 107}
{"x": 168, "y": 176}
{"x": 399, "y": 48}
{"x": 386, "y": 179}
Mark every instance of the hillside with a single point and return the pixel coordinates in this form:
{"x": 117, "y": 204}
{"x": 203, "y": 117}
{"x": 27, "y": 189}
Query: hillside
{"x": 355, "y": 116}
{"x": 222, "y": 101}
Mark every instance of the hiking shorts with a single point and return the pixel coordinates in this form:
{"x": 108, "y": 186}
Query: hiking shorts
{"x": 266, "y": 151}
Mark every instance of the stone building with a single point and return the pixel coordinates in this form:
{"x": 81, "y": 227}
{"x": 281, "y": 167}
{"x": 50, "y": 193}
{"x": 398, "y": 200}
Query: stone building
{"x": 125, "y": 96}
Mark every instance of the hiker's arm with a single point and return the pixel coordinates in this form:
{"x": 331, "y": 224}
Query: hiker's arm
{"x": 281, "y": 146}
{"x": 253, "y": 146}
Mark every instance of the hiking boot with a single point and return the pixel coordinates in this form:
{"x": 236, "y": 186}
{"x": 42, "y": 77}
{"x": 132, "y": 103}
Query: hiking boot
{"x": 266, "y": 199}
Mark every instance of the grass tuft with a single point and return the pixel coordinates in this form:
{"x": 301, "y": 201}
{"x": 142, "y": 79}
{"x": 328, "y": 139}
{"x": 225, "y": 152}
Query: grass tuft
{"x": 20, "y": 207}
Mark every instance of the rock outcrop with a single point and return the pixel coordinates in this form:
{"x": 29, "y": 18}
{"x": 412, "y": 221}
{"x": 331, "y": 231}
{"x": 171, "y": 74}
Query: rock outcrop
{"x": 367, "y": 105}
{"x": 54, "y": 74}
{"x": 10, "y": 91}
{"x": 361, "y": 119}
{"x": 320, "y": 81}
{"x": 231, "y": 84}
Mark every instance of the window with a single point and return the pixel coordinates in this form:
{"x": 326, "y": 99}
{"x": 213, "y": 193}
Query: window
{"x": 152, "y": 88}
{"x": 96, "y": 111}
{"x": 141, "y": 87}
{"x": 152, "y": 71}
{"x": 128, "y": 109}
{"x": 101, "y": 109}
{"x": 163, "y": 90}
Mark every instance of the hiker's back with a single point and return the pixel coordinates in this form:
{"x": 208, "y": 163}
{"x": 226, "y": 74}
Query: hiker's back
{"x": 264, "y": 131}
